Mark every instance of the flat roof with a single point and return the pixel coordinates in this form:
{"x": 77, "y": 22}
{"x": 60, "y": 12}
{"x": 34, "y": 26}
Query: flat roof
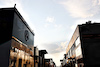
{"x": 43, "y": 51}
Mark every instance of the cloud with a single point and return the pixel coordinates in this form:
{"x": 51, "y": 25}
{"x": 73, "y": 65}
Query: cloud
{"x": 50, "y": 19}
{"x": 61, "y": 47}
{"x": 83, "y": 8}
{"x": 55, "y": 47}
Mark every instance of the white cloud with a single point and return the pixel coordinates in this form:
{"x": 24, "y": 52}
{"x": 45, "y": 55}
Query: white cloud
{"x": 83, "y": 8}
{"x": 57, "y": 47}
{"x": 50, "y": 19}
{"x": 61, "y": 47}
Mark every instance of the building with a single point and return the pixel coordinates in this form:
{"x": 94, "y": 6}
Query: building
{"x": 42, "y": 58}
{"x": 54, "y": 65}
{"x": 16, "y": 40}
{"x": 64, "y": 61}
{"x": 36, "y": 57}
{"x": 49, "y": 63}
{"x": 61, "y": 63}
{"x": 84, "y": 46}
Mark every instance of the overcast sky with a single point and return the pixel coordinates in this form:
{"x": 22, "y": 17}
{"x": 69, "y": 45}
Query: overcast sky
{"x": 54, "y": 21}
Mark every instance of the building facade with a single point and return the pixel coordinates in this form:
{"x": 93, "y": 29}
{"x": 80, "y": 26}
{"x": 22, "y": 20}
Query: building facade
{"x": 42, "y": 58}
{"x": 64, "y": 61}
{"x": 49, "y": 63}
{"x": 84, "y": 47}
{"x": 16, "y": 40}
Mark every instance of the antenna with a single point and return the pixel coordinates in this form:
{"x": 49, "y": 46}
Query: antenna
{"x": 14, "y": 5}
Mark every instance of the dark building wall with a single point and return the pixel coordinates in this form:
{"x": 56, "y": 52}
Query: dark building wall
{"x": 6, "y": 24}
{"x": 90, "y": 40}
{"x": 4, "y": 53}
{"x": 40, "y": 62}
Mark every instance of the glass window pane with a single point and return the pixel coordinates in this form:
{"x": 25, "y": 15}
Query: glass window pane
{"x": 78, "y": 51}
{"x": 77, "y": 41}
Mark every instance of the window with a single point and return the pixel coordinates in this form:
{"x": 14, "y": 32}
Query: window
{"x": 78, "y": 51}
{"x": 77, "y": 41}
{"x": 72, "y": 50}
{"x": 68, "y": 54}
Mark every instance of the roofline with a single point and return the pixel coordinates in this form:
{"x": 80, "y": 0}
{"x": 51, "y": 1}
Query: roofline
{"x": 70, "y": 42}
{"x": 44, "y": 52}
{"x": 20, "y": 16}
{"x": 17, "y": 12}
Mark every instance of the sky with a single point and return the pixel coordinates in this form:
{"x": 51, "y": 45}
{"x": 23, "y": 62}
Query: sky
{"x": 54, "y": 21}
